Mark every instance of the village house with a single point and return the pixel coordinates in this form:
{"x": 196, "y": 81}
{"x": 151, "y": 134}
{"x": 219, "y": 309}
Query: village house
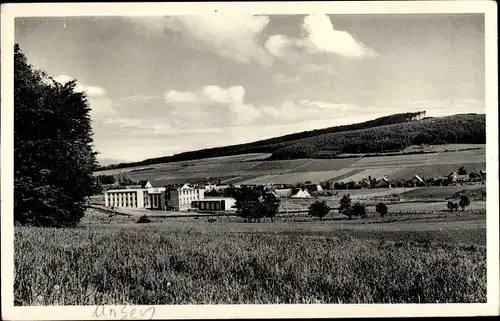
{"x": 299, "y": 193}
{"x": 456, "y": 178}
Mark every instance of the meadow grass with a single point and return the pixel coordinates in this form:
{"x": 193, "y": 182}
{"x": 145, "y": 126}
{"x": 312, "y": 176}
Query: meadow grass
{"x": 209, "y": 263}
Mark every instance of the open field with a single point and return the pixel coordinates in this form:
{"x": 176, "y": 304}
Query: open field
{"x": 438, "y": 259}
{"x": 298, "y": 177}
{"x": 253, "y": 168}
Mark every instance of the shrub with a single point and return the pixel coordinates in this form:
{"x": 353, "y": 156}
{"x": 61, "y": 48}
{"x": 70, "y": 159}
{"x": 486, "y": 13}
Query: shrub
{"x": 319, "y": 209}
{"x": 345, "y": 205}
{"x": 358, "y": 209}
{"x": 464, "y": 202}
{"x": 143, "y": 219}
{"x": 452, "y": 206}
{"x": 381, "y": 208}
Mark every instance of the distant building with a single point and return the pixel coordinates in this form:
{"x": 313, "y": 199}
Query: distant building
{"x": 454, "y": 177}
{"x": 384, "y": 182}
{"x": 313, "y": 187}
{"x": 280, "y": 193}
{"x": 299, "y": 193}
{"x": 140, "y": 196}
{"x": 417, "y": 181}
{"x": 214, "y": 204}
{"x": 181, "y": 198}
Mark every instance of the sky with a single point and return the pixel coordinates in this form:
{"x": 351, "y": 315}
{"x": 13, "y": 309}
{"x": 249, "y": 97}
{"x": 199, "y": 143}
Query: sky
{"x": 161, "y": 85}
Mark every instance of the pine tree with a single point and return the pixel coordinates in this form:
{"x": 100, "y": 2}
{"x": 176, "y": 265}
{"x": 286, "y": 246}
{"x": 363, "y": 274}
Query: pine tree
{"x": 53, "y": 157}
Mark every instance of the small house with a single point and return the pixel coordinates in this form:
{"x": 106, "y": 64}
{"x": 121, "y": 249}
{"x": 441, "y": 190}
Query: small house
{"x": 300, "y": 193}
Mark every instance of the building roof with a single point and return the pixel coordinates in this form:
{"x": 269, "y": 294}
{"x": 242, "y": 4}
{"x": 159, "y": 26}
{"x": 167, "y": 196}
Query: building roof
{"x": 218, "y": 199}
{"x": 145, "y": 183}
{"x": 419, "y": 178}
{"x": 297, "y": 192}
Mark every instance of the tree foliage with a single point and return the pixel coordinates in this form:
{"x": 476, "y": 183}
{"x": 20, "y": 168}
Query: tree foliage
{"x": 53, "y": 157}
{"x": 319, "y": 209}
{"x": 381, "y": 208}
{"x": 465, "y": 129}
{"x": 106, "y": 179}
{"x": 345, "y": 205}
{"x": 452, "y": 206}
{"x": 255, "y": 203}
{"x": 357, "y": 209}
{"x": 464, "y": 202}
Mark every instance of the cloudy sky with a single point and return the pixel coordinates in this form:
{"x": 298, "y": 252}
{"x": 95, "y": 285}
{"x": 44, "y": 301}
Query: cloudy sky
{"x": 163, "y": 85}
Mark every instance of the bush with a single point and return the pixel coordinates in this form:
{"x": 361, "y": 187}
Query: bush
{"x": 357, "y": 209}
{"x": 143, "y": 219}
{"x": 319, "y": 209}
{"x": 452, "y": 206}
{"x": 381, "y": 208}
{"x": 255, "y": 203}
{"x": 345, "y": 205}
{"x": 464, "y": 202}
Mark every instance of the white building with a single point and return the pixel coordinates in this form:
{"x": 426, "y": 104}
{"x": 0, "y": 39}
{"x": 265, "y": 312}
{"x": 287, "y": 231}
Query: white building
{"x": 300, "y": 193}
{"x": 141, "y": 196}
{"x": 180, "y": 199}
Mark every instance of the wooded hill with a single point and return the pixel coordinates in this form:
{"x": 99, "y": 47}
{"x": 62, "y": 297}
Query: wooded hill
{"x": 389, "y": 133}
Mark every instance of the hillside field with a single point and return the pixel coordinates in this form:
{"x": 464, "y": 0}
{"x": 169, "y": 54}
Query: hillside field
{"x": 253, "y": 169}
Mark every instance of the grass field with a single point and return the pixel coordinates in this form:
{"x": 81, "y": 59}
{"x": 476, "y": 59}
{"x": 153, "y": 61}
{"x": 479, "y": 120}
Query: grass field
{"x": 200, "y": 263}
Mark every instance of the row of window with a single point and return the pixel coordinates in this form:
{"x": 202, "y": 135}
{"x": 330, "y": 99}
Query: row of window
{"x": 123, "y": 199}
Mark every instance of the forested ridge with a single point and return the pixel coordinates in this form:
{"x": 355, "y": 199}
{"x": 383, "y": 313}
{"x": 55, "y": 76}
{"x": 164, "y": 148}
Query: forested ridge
{"x": 383, "y": 134}
{"x": 457, "y": 129}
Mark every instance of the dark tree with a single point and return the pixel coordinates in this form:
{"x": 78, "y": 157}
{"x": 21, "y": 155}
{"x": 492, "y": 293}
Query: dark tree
{"x": 53, "y": 157}
{"x": 106, "y": 179}
{"x": 452, "y": 206}
{"x": 255, "y": 203}
{"x": 462, "y": 171}
{"x": 319, "y": 209}
{"x": 345, "y": 205}
{"x": 358, "y": 209}
{"x": 126, "y": 181}
{"x": 381, "y": 208}
{"x": 464, "y": 202}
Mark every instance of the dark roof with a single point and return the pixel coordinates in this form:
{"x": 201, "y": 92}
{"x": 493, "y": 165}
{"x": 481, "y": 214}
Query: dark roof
{"x": 143, "y": 183}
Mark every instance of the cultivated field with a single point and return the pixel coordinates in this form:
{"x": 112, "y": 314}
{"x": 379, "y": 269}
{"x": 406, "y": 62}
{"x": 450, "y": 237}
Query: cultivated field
{"x": 254, "y": 169}
{"x": 433, "y": 259}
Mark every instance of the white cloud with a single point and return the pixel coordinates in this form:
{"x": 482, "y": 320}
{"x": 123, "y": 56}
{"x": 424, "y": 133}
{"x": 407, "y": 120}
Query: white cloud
{"x": 221, "y": 95}
{"x": 321, "y": 37}
{"x": 174, "y": 96}
{"x": 140, "y": 98}
{"x": 234, "y": 37}
{"x": 91, "y": 91}
{"x": 327, "y": 105}
{"x": 213, "y": 106}
{"x": 277, "y": 45}
{"x": 101, "y": 106}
